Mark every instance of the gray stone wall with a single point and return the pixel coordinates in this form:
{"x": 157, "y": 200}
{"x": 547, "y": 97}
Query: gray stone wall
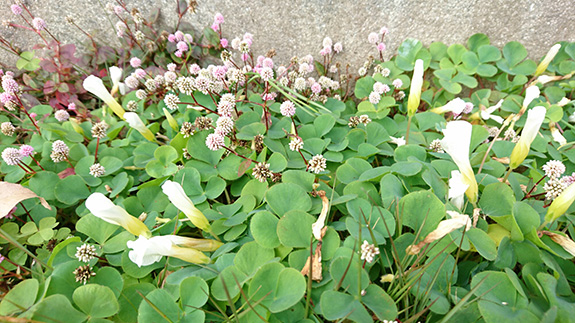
{"x": 298, "y": 27}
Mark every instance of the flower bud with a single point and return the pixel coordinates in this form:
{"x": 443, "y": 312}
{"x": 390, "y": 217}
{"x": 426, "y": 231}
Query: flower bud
{"x": 548, "y": 58}
{"x": 415, "y": 89}
{"x": 94, "y": 85}
{"x": 535, "y": 118}
{"x": 135, "y": 122}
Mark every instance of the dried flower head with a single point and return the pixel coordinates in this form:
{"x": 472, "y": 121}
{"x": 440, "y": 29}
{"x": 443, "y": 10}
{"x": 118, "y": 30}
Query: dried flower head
{"x": 97, "y": 170}
{"x": 83, "y": 273}
{"x": 365, "y": 119}
{"x": 435, "y": 145}
{"x": 7, "y": 128}
{"x": 186, "y": 153}
{"x": 11, "y": 156}
{"x": 368, "y": 251}
{"x": 553, "y": 169}
{"x": 353, "y": 122}
{"x": 61, "y": 115}
{"x": 203, "y": 123}
{"x": 187, "y": 129}
{"x": 85, "y": 252}
{"x": 261, "y": 172}
{"x": 317, "y": 164}
{"x": 258, "y": 143}
{"x": 99, "y": 129}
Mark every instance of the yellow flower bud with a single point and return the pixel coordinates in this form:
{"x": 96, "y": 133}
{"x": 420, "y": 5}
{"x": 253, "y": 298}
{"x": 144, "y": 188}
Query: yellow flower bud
{"x": 548, "y": 58}
{"x": 135, "y": 122}
{"x": 535, "y": 118}
{"x": 415, "y": 88}
{"x": 561, "y": 204}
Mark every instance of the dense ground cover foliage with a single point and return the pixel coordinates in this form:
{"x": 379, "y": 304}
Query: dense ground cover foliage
{"x": 184, "y": 178}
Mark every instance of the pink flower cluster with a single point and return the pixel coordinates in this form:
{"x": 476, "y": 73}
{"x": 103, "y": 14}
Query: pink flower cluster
{"x": 377, "y": 39}
{"x": 181, "y": 41}
{"x": 218, "y": 20}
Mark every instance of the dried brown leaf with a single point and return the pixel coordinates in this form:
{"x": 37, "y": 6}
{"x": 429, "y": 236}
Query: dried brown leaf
{"x": 12, "y": 194}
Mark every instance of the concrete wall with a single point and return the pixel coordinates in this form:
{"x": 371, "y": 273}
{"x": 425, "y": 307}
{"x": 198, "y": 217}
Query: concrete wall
{"x": 298, "y": 27}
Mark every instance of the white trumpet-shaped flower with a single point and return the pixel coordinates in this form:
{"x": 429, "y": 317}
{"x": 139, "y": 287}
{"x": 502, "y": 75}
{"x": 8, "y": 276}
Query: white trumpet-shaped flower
{"x": 148, "y": 251}
{"x": 456, "y": 143}
{"x": 535, "y": 118}
{"x": 488, "y": 113}
{"x": 135, "y": 122}
{"x": 116, "y": 76}
{"x": 556, "y": 134}
{"x": 457, "y": 189}
{"x": 561, "y": 203}
{"x": 455, "y": 106}
{"x": 531, "y": 93}
{"x": 548, "y": 58}
{"x": 94, "y": 85}
{"x": 415, "y": 88}
{"x": 103, "y": 208}
{"x": 178, "y": 197}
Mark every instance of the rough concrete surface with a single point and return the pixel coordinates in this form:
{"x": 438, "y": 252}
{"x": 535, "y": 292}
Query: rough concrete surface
{"x": 298, "y": 27}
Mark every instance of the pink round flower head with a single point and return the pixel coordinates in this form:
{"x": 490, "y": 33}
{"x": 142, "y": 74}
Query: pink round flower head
{"x": 224, "y": 42}
{"x": 61, "y": 115}
{"x": 266, "y": 73}
{"x": 397, "y": 83}
{"x": 215, "y": 141}
{"x": 6, "y": 97}
{"x": 383, "y": 31}
{"x": 188, "y": 38}
{"x": 179, "y": 36}
{"x": 372, "y": 38}
{"x": 245, "y": 57}
{"x": 118, "y": 10}
{"x": 268, "y": 62}
{"x": 33, "y": 115}
{"x": 72, "y": 106}
{"x": 323, "y": 52}
{"x": 26, "y": 150}
{"x": 316, "y": 88}
{"x": 131, "y": 82}
{"x": 215, "y": 27}
{"x": 468, "y": 107}
{"x": 194, "y": 69}
{"x": 172, "y": 38}
{"x": 260, "y": 60}
{"x": 10, "y": 73}
{"x": 218, "y": 18}
{"x": 39, "y": 23}
{"x": 139, "y": 74}
{"x": 337, "y": 47}
{"x": 381, "y": 47}
{"x": 219, "y": 72}
{"x": 172, "y": 67}
{"x": 269, "y": 96}
{"x": 287, "y": 109}
{"x": 327, "y": 50}
{"x": 135, "y": 62}
{"x": 182, "y": 46}
{"x": 16, "y": 9}
{"x": 178, "y": 53}
{"x": 248, "y": 36}
{"x": 9, "y": 85}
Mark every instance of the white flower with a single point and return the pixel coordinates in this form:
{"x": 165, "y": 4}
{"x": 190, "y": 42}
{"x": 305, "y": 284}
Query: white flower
{"x": 443, "y": 228}
{"x": 398, "y": 141}
{"x": 455, "y": 106}
{"x": 135, "y": 122}
{"x": 148, "y": 251}
{"x": 548, "y": 58}
{"x": 456, "y": 143}
{"x": 535, "y": 118}
{"x": 531, "y": 94}
{"x": 563, "y": 102}
{"x": 556, "y": 134}
{"x": 487, "y": 113}
{"x": 178, "y": 197}
{"x": 457, "y": 189}
{"x": 101, "y": 207}
{"x": 116, "y": 76}
{"x": 415, "y": 88}
{"x": 368, "y": 251}
{"x": 94, "y": 85}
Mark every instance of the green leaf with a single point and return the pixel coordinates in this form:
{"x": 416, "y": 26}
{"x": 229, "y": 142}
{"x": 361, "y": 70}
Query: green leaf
{"x": 251, "y": 256}
{"x": 422, "y": 211}
{"x": 19, "y": 298}
{"x": 71, "y": 189}
{"x": 194, "y": 293}
{"x": 294, "y": 229}
{"x": 96, "y": 228}
{"x": 477, "y": 41}
{"x": 198, "y": 149}
{"x": 488, "y": 54}
{"x": 55, "y": 307}
{"x": 355, "y": 278}
{"x": 281, "y": 288}
{"x": 96, "y": 300}
{"x": 392, "y": 189}
{"x": 278, "y": 201}
{"x": 363, "y": 87}
{"x": 111, "y": 164}
{"x": 323, "y": 124}
{"x": 227, "y": 278}
{"x": 351, "y": 170}
{"x": 158, "y": 306}
{"x": 263, "y": 227}
{"x": 377, "y": 300}
{"x": 483, "y": 243}
{"x": 335, "y": 305}
{"x": 111, "y": 278}
{"x": 131, "y": 299}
